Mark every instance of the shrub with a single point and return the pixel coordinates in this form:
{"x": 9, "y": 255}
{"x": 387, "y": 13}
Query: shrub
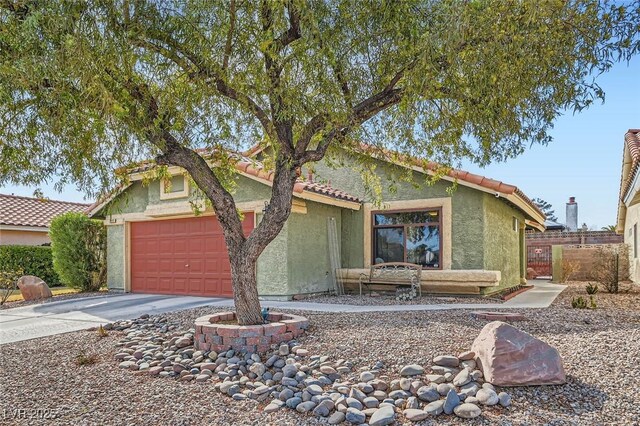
{"x": 8, "y": 281}
{"x": 83, "y": 359}
{"x": 578, "y": 302}
{"x": 592, "y": 289}
{"x": 79, "y": 251}
{"x": 569, "y": 268}
{"x": 32, "y": 260}
{"x": 592, "y": 302}
{"x": 611, "y": 266}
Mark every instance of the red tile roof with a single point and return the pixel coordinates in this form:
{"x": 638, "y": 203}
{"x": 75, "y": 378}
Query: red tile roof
{"x": 632, "y": 144}
{"x": 461, "y": 175}
{"x": 27, "y": 211}
{"x": 255, "y": 168}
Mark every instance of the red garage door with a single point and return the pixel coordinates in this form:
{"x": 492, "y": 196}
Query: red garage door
{"x": 181, "y": 256}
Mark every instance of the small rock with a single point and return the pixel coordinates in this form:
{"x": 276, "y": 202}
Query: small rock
{"x": 324, "y": 408}
{"x": 462, "y": 378}
{"x": 412, "y": 402}
{"x": 487, "y": 397}
{"x": 336, "y": 418}
{"x": 444, "y": 388}
{"x": 435, "y": 378}
{"x": 283, "y": 350}
{"x": 446, "y": 361}
{"x": 293, "y": 402}
{"x": 465, "y": 356}
{"x": 366, "y": 376}
{"x": 415, "y": 415}
{"x": 370, "y": 402}
{"x": 325, "y": 369}
{"x": 272, "y": 407}
{"x": 383, "y": 416}
{"x": 427, "y": 393}
{"x": 355, "y": 416}
{"x": 505, "y": 399}
{"x": 451, "y": 401}
{"x": 314, "y": 390}
{"x": 305, "y": 407}
{"x": 412, "y": 370}
{"x": 467, "y": 411}
{"x": 435, "y": 408}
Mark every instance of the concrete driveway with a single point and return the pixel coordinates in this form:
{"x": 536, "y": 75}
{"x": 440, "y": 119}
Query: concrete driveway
{"x": 47, "y": 319}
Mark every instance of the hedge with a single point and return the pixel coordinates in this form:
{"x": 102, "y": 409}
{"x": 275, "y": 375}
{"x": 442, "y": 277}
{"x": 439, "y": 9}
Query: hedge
{"x": 33, "y": 260}
{"x": 79, "y": 247}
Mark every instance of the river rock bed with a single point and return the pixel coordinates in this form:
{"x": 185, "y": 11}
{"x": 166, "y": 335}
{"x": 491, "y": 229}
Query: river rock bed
{"x": 290, "y": 377}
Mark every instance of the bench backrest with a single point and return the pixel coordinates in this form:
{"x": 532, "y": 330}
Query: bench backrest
{"x": 395, "y": 272}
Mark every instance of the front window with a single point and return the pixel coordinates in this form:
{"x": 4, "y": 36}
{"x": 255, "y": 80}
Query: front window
{"x": 407, "y": 236}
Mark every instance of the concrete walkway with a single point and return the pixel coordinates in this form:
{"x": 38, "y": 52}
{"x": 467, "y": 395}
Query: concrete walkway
{"x": 56, "y": 317}
{"x": 541, "y": 296}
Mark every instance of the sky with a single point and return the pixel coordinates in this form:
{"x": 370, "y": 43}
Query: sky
{"x": 584, "y": 159}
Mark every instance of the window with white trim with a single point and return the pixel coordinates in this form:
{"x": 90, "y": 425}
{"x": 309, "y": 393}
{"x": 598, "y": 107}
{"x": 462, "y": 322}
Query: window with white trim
{"x": 175, "y": 187}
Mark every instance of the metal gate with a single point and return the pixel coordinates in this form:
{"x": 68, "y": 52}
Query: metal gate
{"x": 539, "y": 259}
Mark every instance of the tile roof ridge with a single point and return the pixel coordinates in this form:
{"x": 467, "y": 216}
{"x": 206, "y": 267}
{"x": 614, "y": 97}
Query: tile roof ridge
{"x": 44, "y": 200}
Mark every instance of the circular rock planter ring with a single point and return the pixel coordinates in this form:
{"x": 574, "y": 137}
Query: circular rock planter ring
{"x": 214, "y": 333}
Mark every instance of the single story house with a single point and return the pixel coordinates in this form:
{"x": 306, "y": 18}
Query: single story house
{"x": 469, "y": 240}
{"x": 629, "y": 199}
{"x": 26, "y": 220}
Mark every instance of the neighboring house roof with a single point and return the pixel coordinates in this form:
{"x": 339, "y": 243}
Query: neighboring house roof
{"x": 33, "y": 212}
{"x": 553, "y": 225}
{"x": 630, "y": 165}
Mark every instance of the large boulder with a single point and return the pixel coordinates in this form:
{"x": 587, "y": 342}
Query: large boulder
{"x": 33, "y": 288}
{"x": 510, "y": 357}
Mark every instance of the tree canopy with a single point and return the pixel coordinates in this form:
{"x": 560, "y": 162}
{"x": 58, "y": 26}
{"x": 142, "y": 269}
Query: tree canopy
{"x": 546, "y": 208}
{"x": 88, "y": 85}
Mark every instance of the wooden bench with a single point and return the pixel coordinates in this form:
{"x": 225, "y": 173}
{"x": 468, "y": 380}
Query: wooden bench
{"x": 393, "y": 273}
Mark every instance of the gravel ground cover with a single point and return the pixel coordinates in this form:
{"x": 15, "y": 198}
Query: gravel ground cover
{"x": 389, "y": 299}
{"x": 9, "y": 305}
{"x": 600, "y": 349}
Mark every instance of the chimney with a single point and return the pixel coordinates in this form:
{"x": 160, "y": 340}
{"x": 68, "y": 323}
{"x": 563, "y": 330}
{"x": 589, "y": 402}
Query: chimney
{"x": 310, "y": 176}
{"x": 572, "y": 215}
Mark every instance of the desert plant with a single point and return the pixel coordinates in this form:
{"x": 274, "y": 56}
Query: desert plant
{"x": 592, "y": 302}
{"x": 32, "y": 260}
{"x": 79, "y": 251}
{"x": 83, "y": 359}
{"x": 102, "y": 332}
{"x": 569, "y": 268}
{"x": 592, "y": 288}
{"x": 8, "y": 281}
{"x": 611, "y": 266}
{"x": 578, "y": 303}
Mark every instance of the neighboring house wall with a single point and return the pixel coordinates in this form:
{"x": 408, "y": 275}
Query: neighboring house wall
{"x": 632, "y": 227}
{"x": 23, "y": 238}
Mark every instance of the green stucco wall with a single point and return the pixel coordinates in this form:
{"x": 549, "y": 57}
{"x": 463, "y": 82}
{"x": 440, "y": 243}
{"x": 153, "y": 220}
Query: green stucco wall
{"x": 467, "y": 228}
{"x": 502, "y": 248}
{"x": 272, "y": 269}
{"x": 115, "y": 257}
{"x": 308, "y": 249}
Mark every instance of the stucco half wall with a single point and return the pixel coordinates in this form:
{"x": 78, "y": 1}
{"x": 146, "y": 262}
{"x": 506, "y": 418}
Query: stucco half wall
{"x": 26, "y": 237}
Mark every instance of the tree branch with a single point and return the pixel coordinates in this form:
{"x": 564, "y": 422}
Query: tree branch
{"x": 232, "y": 26}
{"x": 293, "y": 33}
{"x": 174, "y": 52}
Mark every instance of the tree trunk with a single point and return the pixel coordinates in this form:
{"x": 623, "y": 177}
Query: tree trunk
{"x": 245, "y": 288}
